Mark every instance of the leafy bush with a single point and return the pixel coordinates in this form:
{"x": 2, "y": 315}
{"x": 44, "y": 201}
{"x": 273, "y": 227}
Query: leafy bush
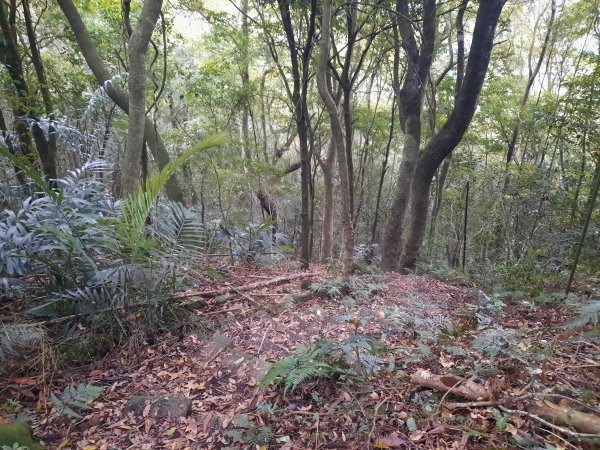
{"x": 97, "y": 256}
{"x": 253, "y": 242}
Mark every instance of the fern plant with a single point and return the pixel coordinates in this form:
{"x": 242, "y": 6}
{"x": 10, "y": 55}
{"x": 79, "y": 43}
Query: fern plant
{"x": 76, "y": 399}
{"x": 297, "y": 368}
{"x": 588, "y": 315}
{"x": 15, "y": 337}
{"x": 331, "y": 289}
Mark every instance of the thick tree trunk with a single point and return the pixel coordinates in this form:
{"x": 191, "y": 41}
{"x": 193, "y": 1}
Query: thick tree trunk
{"x": 410, "y": 102}
{"x": 449, "y": 136}
{"x": 118, "y": 95}
{"x": 337, "y": 138}
{"x": 131, "y": 165}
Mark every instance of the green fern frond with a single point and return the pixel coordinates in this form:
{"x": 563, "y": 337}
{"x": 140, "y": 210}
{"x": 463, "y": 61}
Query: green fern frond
{"x": 588, "y": 315}
{"x": 296, "y": 369}
{"x": 24, "y": 164}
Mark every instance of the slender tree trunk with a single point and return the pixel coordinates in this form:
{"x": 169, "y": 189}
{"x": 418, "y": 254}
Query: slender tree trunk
{"x": 300, "y": 74}
{"x": 384, "y": 167}
{"x": 23, "y": 107}
{"x": 46, "y": 146}
{"x": 244, "y": 75}
{"x": 574, "y": 204}
{"x": 131, "y": 166}
{"x": 327, "y": 225}
{"x": 118, "y": 95}
{"x": 586, "y": 224}
{"x": 460, "y": 73}
{"x": 533, "y": 72}
{"x": 337, "y": 138}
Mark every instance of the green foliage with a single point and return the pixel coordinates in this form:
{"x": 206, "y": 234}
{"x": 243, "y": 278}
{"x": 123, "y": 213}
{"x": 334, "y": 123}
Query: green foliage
{"x": 17, "y": 436}
{"x": 14, "y": 338}
{"x": 330, "y": 289}
{"x": 358, "y": 355}
{"x": 76, "y": 399}
{"x": 297, "y": 368}
{"x": 180, "y": 231}
{"x": 136, "y": 208}
{"x": 246, "y": 432}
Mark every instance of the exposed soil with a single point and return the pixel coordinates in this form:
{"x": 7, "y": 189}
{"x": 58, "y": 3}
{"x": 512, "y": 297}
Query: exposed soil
{"x": 422, "y": 323}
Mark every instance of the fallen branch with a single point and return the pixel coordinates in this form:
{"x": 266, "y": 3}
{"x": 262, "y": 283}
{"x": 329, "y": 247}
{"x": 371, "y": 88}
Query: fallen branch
{"x": 456, "y": 385}
{"x": 586, "y": 424}
{"x": 247, "y": 287}
{"x": 180, "y": 295}
{"x": 549, "y": 424}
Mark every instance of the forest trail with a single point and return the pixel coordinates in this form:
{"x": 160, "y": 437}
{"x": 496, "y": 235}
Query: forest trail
{"x": 424, "y": 324}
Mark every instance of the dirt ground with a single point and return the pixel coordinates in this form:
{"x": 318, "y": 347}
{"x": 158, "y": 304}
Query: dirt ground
{"x": 419, "y": 324}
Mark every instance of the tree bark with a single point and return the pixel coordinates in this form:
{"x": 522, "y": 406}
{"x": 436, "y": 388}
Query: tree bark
{"x": 300, "y": 74}
{"x": 410, "y": 103}
{"x": 451, "y": 133}
{"x": 384, "y": 167}
{"x": 442, "y": 173}
{"x": 24, "y": 108}
{"x": 118, "y": 95}
{"x": 337, "y": 138}
{"x": 46, "y": 146}
{"x": 131, "y": 167}
{"x": 327, "y": 224}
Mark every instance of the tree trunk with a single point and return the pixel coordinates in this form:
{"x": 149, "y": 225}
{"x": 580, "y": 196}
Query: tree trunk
{"x": 327, "y": 225}
{"x": 533, "y": 72}
{"x": 24, "y": 108}
{"x": 451, "y": 133}
{"x": 298, "y": 96}
{"x": 131, "y": 165}
{"x": 118, "y": 95}
{"x": 384, "y": 167}
{"x": 337, "y": 138}
{"x": 410, "y": 103}
{"x": 46, "y": 147}
{"x": 586, "y": 224}
{"x": 460, "y": 73}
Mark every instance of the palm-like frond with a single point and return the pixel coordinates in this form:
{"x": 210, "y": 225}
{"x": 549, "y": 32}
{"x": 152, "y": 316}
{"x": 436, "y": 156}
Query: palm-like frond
{"x": 181, "y": 230}
{"x": 135, "y": 208}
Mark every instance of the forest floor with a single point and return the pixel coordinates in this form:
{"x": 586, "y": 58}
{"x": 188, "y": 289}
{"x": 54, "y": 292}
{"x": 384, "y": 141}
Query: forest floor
{"x": 422, "y": 328}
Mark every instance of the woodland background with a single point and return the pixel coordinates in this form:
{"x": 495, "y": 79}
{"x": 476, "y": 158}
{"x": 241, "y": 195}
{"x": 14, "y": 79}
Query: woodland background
{"x": 150, "y": 150}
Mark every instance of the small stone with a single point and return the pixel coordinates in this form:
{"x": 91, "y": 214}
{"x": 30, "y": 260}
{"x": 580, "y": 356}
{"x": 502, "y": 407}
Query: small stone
{"x": 159, "y": 407}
